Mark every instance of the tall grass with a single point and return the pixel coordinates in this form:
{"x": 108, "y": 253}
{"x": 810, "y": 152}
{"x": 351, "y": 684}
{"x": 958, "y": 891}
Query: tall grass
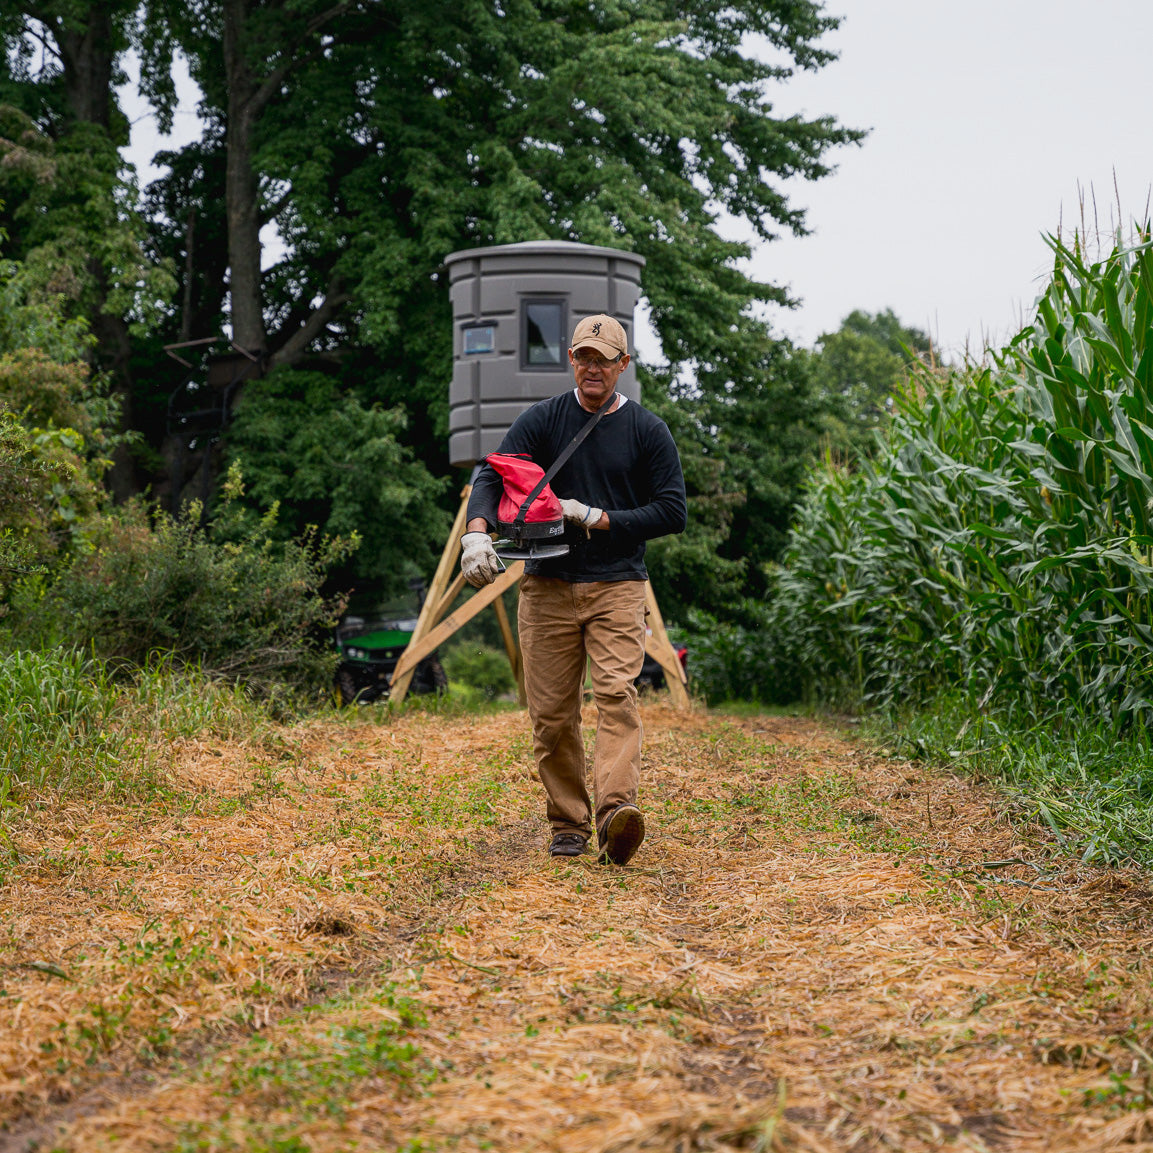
{"x": 56, "y": 718}
{"x": 169, "y": 699}
{"x": 1091, "y": 788}
{"x": 69, "y": 722}
{"x": 1001, "y": 542}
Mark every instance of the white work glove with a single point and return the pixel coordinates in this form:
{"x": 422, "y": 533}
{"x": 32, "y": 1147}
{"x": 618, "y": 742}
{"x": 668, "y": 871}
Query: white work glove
{"x": 584, "y": 515}
{"x": 478, "y": 559}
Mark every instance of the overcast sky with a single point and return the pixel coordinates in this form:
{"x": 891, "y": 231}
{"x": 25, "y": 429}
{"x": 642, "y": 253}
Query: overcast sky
{"x": 987, "y": 121}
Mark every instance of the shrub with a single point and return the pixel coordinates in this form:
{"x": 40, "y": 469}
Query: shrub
{"x": 153, "y": 584}
{"x": 729, "y": 662}
{"x": 53, "y": 439}
{"x": 479, "y": 667}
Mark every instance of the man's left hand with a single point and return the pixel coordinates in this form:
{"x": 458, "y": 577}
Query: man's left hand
{"x": 583, "y": 514}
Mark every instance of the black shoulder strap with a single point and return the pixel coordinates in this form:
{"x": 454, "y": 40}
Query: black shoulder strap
{"x": 565, "y": 453}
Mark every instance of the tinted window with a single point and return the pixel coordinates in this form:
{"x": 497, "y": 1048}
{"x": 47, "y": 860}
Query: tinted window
{"x": 479, "y": 338}
{"x": 544, "y": 333}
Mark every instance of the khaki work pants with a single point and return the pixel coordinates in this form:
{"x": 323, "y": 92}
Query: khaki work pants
{"x": 562, "y": 624}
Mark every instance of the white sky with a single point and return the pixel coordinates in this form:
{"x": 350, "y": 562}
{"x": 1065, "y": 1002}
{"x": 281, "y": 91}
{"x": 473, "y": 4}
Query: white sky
{"x": 987, "y": 120}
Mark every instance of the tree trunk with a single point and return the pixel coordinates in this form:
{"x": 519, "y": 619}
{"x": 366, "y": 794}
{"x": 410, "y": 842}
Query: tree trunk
{"x": 189, "y": 274}
{"x": 88, "y": 50}
{"x": 242, "y": 189}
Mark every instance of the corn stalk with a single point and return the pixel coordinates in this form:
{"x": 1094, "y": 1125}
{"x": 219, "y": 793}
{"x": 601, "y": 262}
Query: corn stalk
{"x": 1000, "y": 542}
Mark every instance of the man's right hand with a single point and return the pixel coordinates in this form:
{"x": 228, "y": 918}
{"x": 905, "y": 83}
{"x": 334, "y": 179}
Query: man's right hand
{"x": 478, "y": 560}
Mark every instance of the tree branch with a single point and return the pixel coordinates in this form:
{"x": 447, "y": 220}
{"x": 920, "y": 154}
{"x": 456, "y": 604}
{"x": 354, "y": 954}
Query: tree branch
{"x": 294, "y": 347}
{"x": 272, "y": 82}
{"x": 51, "y": 47}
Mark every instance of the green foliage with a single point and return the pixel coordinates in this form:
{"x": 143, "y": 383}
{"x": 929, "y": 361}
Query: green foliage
{"x": 1077, "y": 778}
{"x": 73, "y": 223}
{"x": 478, "y": 667}
{"x": 46, "y": 393}
{"x": 746, "y": 443}
{"x": 53, "y": 421}
{"x": 33, "y": 319}
{"x": 328, "y": 460}
{"x": 51, "y": 441}
{"x": 25, "y": 481}
{"x": 732, "y": 662}
{"x": 561, "y": 120}
{"x": 188, "y": 229}
{"x": 688, "y": 570}
{"x": 248, "y": 608}
{"x": 57, "y": 719}
{"x": 47, "y": 487}
{"x": 860, "y": 368}
{"x": 1001, "y": 543}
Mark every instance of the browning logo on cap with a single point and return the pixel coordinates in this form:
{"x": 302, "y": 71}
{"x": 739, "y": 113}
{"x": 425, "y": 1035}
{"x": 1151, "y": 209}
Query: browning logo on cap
{"x": 602, "y": 333}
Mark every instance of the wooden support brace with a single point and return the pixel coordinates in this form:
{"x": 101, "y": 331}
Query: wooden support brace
{"x": 418, "y": 649}
{"x": 435, "y": 601}
{"x": 511, "y": 649}
{"x": 446, "y": 601}
{"x": 659, "y": 646}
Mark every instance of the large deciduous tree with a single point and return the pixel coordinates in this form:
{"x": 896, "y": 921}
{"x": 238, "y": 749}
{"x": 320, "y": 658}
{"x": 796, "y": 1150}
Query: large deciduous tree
{"x": 380, "y": 137}
{"x": 858, "y": 368}
{"x": 72, "y": 217}
{"x": 393, "y": 136}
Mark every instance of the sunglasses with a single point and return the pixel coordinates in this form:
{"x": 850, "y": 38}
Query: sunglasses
{"x": 587, "y": 359}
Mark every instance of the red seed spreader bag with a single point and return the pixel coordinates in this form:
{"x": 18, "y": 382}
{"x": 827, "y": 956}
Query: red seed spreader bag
{"x": 520, "y": 476}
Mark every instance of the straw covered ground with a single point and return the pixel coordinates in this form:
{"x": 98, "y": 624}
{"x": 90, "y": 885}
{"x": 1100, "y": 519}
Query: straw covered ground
{"x": 349, "y": 936}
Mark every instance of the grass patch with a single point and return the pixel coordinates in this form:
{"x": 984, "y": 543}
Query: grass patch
{"x": 765, "y": 927}
{"x": 73, "y": 722}
{"x": 461, "y": 700}
{"x": 308, "y": 1069}
{"x": 58, "y": 720}
{"x": 757, "y": 709}
{"x": 180, "y": 701}
{"x": 456, "y": 802}
{"x": 1089, "y": 786}
{"x": 774, "y": 787}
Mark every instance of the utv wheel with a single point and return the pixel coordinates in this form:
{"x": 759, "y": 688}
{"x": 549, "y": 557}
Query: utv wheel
{"x": 429, "y": 677}
{"x": 345, "y": 685}
{"x": 650, "y": 678}
{"x": 355, "y": 688}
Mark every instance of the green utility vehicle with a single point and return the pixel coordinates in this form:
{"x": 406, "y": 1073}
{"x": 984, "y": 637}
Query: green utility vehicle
{"x": 370, "y": 645}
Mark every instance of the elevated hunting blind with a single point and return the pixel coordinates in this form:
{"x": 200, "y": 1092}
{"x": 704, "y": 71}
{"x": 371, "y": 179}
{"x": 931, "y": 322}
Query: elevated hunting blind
{"x": 514, "y": 307}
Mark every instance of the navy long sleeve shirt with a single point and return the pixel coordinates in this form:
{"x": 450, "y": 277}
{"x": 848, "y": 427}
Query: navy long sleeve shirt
{"x": 628, "y": 467}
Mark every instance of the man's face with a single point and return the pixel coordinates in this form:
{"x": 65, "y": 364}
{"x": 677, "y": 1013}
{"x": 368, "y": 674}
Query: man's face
{"x": 596, "y": 376}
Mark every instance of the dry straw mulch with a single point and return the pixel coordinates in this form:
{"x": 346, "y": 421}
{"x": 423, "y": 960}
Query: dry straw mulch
{"x": 355, "y": 941}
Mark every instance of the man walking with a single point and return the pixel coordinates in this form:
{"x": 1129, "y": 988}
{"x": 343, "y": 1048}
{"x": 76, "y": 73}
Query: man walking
{"x": 621, "y": 487}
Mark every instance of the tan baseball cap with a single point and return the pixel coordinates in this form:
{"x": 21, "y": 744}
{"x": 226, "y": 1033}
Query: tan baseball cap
{"x": 602, "y": 333}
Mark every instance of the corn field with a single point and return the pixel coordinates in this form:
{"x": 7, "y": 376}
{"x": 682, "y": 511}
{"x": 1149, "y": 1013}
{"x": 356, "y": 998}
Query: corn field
{"x": 1000, "y": 542}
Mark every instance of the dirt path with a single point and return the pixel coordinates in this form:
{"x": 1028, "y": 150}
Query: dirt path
{"x": 350, "y": 938}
